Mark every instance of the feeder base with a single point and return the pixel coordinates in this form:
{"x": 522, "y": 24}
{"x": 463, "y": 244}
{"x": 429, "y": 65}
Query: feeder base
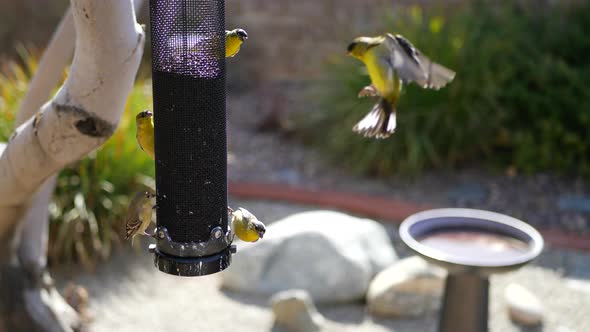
{"x": 192, "y": 267}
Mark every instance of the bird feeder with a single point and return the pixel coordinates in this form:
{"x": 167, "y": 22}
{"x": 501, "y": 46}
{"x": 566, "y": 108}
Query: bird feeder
{"x": 188, "y": 67}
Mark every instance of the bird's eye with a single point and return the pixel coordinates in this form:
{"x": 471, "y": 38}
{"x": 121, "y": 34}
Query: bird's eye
{"x": 242, "y": 33}
{"x": 351, "y": 47}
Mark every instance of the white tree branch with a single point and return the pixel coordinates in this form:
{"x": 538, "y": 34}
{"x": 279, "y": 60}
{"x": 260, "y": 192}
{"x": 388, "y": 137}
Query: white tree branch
{"x": 42, "y": 302}
{"x": 34, "y": 229}
{"x": 34, "y": 226}
{"x": 86, "y": 110}
{"x": 54, "y": 60}
{"x": 33, "y": 232}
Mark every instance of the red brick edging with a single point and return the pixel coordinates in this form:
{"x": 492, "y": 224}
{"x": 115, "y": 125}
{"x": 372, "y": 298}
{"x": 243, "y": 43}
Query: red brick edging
{"x": 390, "y": 210}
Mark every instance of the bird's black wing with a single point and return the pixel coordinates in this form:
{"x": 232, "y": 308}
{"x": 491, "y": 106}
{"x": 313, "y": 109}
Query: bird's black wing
{"x": 412, "y": 66}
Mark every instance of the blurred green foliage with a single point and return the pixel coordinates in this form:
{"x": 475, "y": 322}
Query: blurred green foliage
{"x": 520, "y": 97}
{"x": 91, "y": 197}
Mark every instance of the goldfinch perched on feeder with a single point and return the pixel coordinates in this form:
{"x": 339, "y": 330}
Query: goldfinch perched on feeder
{"x": 139, "y": 214}
{"x": 145, "y": 132}
{"x": 392, "y": 61}
{"x": 245, "y": 225}
{"x": 233, "y": 41}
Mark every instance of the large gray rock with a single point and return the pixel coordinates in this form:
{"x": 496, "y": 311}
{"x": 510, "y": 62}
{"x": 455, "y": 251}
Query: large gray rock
{"x": 409, "y": 288}
{"x": 295, "y": 310}
{"x": 331, "y": 255}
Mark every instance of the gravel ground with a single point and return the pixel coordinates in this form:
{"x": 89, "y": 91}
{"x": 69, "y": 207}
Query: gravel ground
{"x": 270, "y": 157}
{"x": 128, "y": 294}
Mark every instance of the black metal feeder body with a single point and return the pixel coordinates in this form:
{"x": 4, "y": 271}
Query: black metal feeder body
{"x": 188, "y": 66}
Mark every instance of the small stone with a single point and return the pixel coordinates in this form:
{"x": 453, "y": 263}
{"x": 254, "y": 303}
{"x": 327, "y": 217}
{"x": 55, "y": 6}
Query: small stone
{"x": 473, "y": 193}
{"x": 574, "y": 203}
{"x": 76, "y": 296}
{"x": 295, "y": 310}
{"x": 409, "y": 288}
{"x": 289, "y": 176}
{"x": 578, "y": 285}
{"x": 564, "y": 329}
{"x": 523, "y": 306}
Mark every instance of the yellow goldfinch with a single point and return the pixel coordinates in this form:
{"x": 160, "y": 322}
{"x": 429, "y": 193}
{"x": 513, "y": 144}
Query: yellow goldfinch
{"x": 145, "y": 132}
{"x": 145, "y": 120}
{"x": 392, "y": 61}
{"x": 139, "y": 214}
{"x": 245, "y": 225}
{"x": 233, "y": 41}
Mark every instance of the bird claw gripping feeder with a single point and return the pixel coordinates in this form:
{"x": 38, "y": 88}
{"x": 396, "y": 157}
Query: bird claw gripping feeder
{"x": 188, "y": 67}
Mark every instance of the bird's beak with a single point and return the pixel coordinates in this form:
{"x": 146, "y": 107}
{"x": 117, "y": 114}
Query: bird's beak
{"x": 261, "y": 233}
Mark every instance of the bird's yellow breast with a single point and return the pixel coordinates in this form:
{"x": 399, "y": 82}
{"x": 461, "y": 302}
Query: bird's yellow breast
{"x": 146, "y": 212}
{"x": 377, "y": 73}
{"x": 382, "y": 76}
{"x": 245, "y": 230}
{"x": 232, "y": 45}
{"x": 145, "y": 135}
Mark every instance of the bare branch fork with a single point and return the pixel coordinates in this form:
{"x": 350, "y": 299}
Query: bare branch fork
{"x": 82, "y": 116}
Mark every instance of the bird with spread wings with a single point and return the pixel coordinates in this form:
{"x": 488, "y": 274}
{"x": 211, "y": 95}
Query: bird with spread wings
{"x": 392, "y": 61}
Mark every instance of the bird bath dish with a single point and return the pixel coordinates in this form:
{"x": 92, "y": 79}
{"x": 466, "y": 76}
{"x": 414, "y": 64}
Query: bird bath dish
{"x": 470, "y": 245}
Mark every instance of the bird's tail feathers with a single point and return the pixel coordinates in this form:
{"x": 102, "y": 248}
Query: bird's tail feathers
{"x": 379, "y": 123}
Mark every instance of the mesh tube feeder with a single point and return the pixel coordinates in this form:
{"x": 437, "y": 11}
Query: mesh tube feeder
{"x": 188, "y": 68}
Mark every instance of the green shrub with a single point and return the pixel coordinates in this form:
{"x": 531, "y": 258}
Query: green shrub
{"x": 91, "y": 197}
{"x": 520, "y": 97}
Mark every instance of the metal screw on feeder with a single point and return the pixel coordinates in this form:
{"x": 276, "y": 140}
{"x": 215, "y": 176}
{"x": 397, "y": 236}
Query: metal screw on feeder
{"x": 188, "y": 67}
{"x": 471, "y": 245}
{"x": 216, "y": 233}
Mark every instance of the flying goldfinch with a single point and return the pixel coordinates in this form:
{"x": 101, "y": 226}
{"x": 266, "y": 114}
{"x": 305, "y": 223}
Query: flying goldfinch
{"x": 145, "y": 132}
{"x": 233, "y": 41}
{"x": 139, "y": 214}
{"x": 391, "y": 62}
{"x": 245, "y": 225}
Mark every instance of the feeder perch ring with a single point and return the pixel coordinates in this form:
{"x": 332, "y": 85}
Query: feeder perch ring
{"x": 216, "y": 243}
{"x": 192, "y": 267}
